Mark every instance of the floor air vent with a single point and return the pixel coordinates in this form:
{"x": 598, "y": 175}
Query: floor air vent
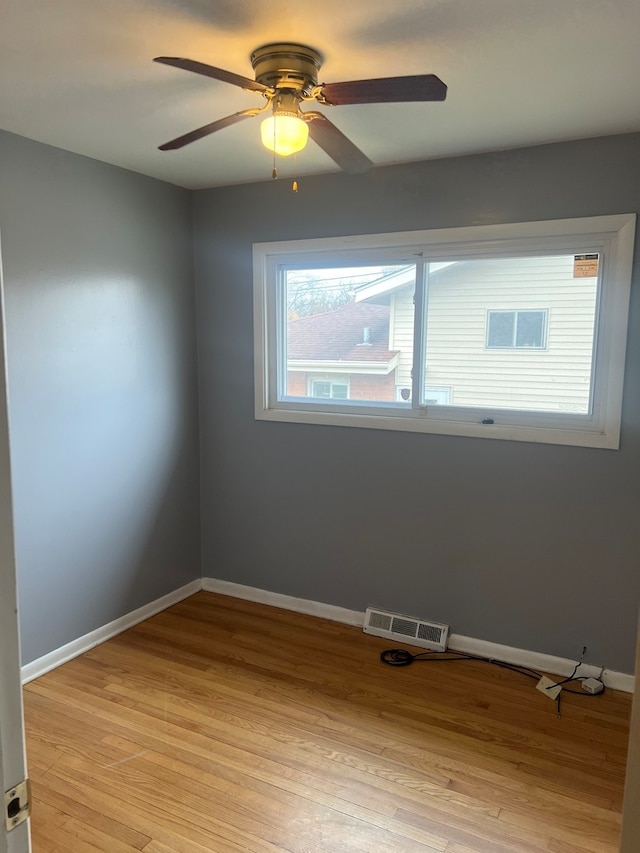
{"x": 429, "y": 635}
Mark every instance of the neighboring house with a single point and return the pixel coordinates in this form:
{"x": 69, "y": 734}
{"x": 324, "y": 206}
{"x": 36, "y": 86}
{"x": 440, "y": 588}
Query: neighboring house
{"x": 342, "y": 354}
{"x": 500, "y": 332}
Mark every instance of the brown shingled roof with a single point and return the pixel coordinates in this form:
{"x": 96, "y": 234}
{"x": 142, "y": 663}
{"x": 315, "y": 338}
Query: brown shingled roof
{"x": 339, "y": 335}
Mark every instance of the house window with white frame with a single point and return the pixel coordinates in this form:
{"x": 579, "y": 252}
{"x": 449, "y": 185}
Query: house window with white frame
{"x": 516, "y": 327}
{"x": 327, "y": 388}
{"x": 434, "y": 396}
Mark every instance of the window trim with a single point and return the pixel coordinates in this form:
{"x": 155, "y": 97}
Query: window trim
{"x": 611, "y": 236}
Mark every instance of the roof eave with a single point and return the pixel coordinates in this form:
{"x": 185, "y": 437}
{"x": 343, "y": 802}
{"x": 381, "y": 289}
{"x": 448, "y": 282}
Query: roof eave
{"x": 381, "y": 368}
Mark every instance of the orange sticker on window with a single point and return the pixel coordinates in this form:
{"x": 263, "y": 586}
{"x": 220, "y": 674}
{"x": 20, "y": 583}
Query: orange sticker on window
{"x": 585, "y": 266}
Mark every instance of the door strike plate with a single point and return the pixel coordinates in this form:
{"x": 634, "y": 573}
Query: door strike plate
{"x": 17, "y": 804}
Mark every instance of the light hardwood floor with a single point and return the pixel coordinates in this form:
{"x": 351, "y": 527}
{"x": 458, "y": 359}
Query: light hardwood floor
{"x": 222, "y": 725}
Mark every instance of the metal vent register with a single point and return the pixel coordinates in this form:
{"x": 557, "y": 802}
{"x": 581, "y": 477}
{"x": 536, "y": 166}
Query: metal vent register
{"x": 428, "y": 635}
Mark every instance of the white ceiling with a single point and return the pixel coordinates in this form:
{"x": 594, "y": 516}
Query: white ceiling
{"x": 78, "y": 74}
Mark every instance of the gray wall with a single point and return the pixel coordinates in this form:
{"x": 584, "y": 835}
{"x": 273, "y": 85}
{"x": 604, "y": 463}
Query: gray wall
{"x": 102, "y": 389}
{"x": 534, "y": 546}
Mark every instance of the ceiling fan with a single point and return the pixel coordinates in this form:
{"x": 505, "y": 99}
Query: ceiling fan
{"x": 286, "y": 75}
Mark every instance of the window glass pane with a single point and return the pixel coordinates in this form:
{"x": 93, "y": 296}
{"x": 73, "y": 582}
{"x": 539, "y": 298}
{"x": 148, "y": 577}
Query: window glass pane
{"x": 339, "y": 391}
{"x": 321, "y": 389}
{"x": 501, "y": 325}
{"x": 530, "y": 329}
{"x": 340, "y": 340}
{"x": 512, "y": 333}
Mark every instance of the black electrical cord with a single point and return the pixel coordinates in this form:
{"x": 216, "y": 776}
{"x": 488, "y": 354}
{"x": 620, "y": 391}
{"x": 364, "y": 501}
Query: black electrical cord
{"x": 403, "y": 657}
{"x": 572, "y": 677}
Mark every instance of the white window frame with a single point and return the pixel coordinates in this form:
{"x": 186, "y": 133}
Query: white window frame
{"x": 612, "y": 237}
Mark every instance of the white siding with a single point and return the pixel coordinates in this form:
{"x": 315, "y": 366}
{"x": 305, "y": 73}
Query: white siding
{"x": 556, "y": 378}
{"x": 401, "y": 334}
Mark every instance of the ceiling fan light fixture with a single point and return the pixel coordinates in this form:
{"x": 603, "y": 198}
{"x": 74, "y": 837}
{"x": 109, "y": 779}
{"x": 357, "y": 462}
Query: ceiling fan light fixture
{"x": 286, "y": 75}
{"x": 284, "y": 133}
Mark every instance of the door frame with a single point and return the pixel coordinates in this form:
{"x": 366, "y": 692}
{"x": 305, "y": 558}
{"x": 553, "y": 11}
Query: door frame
{"x": 630, "y": 841}
{"x": 13, "y": 764}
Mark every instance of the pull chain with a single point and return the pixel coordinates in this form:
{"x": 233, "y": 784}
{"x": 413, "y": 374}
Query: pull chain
{"x": 274, "y": 173}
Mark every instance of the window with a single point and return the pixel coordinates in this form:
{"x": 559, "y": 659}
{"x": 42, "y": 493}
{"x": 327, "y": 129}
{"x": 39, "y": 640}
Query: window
{"x": 437, "y": 396}
{"x": 516, "y": 329}
{"x": 326, "y": 389}
{"x": 432, "y": 396}
{"x": 508, "y": 332}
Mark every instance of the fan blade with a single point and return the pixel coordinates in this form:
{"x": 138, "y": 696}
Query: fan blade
{"x": 212, "y": 71}
{"x": 386, "y": 90}
{"x": 206, "y": 130}
{"x": 334, "y": 143}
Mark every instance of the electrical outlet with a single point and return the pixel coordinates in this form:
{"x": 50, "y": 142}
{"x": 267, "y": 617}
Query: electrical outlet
{"x": 548, "y": 687}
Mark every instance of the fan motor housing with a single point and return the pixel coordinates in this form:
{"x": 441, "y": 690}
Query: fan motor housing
{"x": 287, "y": 66}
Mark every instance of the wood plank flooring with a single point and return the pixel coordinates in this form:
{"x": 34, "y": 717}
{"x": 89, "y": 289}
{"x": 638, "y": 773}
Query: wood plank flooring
{"x": 222, "y": 726}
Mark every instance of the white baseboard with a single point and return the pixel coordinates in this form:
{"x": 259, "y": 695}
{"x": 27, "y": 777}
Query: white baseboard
{"x": 286, "y": 602}
{"x": 507, "y": 654}
{"x": 77, "y": 647}
{"x": 539, "y": 661}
